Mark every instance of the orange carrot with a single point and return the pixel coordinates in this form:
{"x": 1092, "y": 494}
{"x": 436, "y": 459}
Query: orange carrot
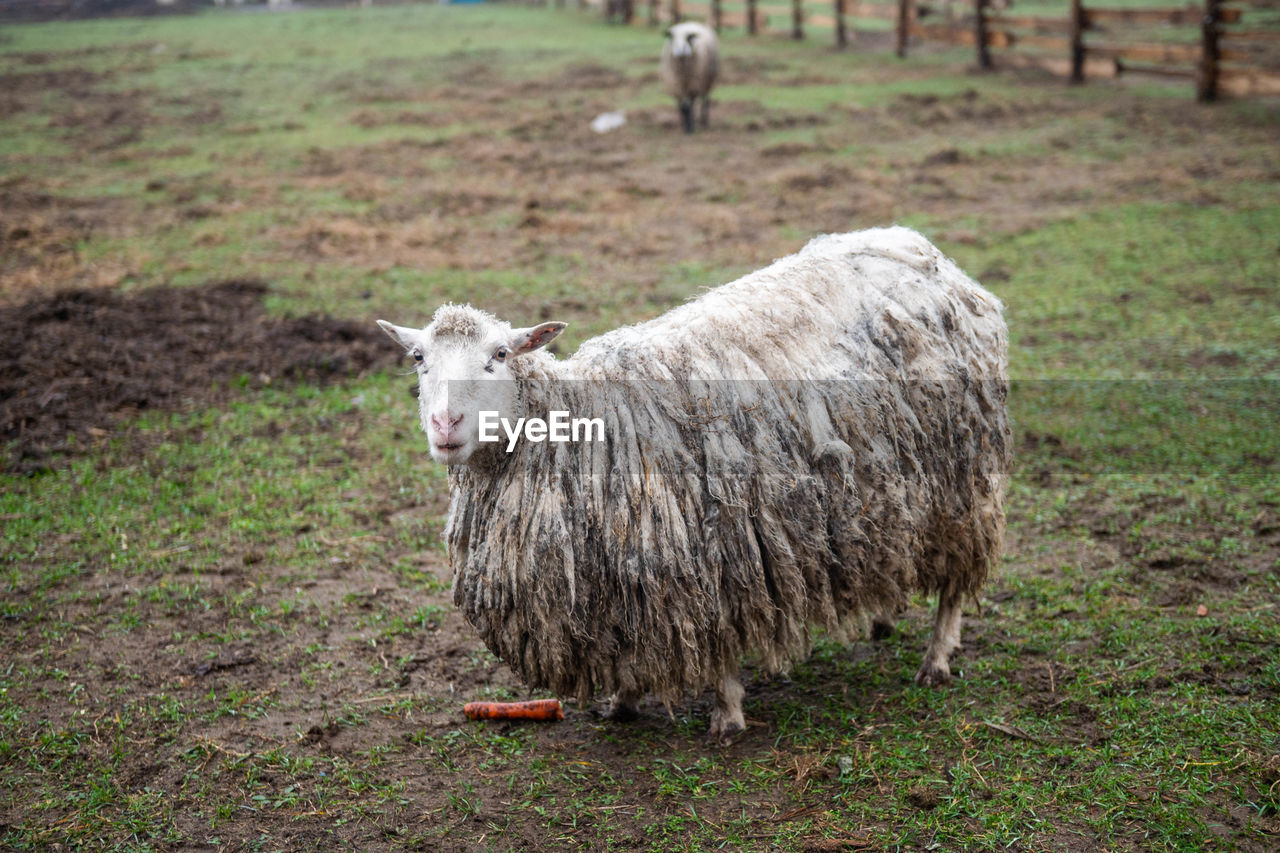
{"x": 538, "y": 709}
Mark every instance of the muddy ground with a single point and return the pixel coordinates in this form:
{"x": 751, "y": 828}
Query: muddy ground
{"x": 79, "y": 359}
{"x": 75, "y": 365}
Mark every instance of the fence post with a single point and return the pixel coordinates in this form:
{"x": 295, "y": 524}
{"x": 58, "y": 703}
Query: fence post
{"x": 797, "y": 19}
{"x": 1077, "y": 41}
{"x": 752, "y": 25}
{"x": 675, "y": 12}
{"x": 1207, "y": 79}
{"x": 906, "y": 11}
{"x": 980, "y": 34}
{"x": 716, "y": 15}
{"x": 653, "y": 13}
{"x": 842, "y": 34}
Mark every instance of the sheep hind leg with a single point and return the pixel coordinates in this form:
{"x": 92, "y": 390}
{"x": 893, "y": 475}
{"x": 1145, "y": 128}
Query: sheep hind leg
{"x": 727, "y": 719}
{"x": 706, "y": 111}
{"x": 883, "y": 622}
{"x": 624, "y": 706}
{"x": 935, "y": 670}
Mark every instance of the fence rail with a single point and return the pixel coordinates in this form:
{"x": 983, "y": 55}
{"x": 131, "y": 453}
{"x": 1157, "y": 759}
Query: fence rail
{"x": 1229, "y": 47}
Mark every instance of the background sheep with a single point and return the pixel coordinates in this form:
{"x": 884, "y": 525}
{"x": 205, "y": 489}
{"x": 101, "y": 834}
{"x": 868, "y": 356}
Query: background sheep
{"x": 802, "y": 447}
{"x": 690, "y": 63}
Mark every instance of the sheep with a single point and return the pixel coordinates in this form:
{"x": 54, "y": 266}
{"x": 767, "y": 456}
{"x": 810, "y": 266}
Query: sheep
{"x": 690, "y": 63}
{"x": 799, "y": 449}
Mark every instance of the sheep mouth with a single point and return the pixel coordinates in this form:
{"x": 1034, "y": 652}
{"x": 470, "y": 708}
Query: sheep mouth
{"x": 449, "y": 448}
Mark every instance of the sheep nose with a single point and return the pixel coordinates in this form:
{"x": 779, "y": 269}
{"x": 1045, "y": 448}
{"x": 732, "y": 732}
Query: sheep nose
{"x": 446, "y": 423}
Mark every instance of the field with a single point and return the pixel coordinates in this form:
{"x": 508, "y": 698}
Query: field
{"x": 226, "y": 621}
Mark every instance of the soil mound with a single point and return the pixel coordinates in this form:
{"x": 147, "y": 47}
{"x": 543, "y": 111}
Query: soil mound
{"x": 74, "y": 364}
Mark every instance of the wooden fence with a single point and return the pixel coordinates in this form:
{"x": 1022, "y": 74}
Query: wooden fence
{"x": 1229, "y": 47}
{"x": 1209, "y": 44}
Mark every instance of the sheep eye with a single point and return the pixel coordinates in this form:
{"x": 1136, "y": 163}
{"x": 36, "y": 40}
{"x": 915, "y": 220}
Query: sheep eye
{"x": 500, "y": 354}
{"x": 417, "y": 356}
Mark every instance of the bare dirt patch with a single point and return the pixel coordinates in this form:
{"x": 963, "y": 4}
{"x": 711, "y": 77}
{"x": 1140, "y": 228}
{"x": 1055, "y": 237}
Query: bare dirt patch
{"x": 40, "y": 235}
{"x": 21, "y": 91}
{"x": 74, "y": 364}
{"x": 93, "y": 115}
{"x": 106, "y": 121}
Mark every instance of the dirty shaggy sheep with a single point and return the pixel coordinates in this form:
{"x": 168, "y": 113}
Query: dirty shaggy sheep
{"x": 801, "y": 448}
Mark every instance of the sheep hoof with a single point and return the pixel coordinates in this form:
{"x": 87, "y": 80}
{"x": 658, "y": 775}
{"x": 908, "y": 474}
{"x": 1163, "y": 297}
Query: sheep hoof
{"x": 934, "y": 675}
{"x": 724, "y": 734}
{"x": 882, "y": 631}
{"x": 621, "y": 712}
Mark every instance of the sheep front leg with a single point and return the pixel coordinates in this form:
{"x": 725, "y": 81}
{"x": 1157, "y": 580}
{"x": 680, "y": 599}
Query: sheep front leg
{"x": 936, "y": 668}
{"x": 686, "y": 114}
{"x": 727, "y": 719}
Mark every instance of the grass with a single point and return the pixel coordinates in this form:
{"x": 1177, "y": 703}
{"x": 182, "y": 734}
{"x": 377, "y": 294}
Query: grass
{"x": 232, "y": 626}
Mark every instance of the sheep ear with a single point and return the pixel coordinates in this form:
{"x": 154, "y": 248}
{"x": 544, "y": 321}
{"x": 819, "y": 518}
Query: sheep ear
{"x": 536, "y": 337}
{"x": 403, "y": 335}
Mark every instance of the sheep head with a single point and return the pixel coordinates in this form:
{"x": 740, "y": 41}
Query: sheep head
{"x": 680, "y": 40}
{"x": 467, "y": 362}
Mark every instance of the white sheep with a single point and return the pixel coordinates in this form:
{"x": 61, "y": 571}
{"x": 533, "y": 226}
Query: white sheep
{"x": 690, "y": 63}
{"x": 803, "y": 447}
